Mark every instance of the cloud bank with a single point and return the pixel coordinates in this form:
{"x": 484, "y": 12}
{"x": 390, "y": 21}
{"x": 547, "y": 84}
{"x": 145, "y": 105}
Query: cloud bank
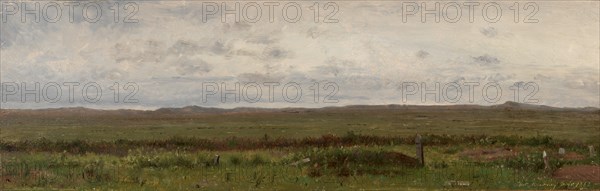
{"x": 370, "y": 54}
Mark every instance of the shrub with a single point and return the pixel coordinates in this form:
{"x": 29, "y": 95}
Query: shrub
{"x": 257, "y": 160}
{"x": 138, "y": 159}
{"x": 235, "y": 160}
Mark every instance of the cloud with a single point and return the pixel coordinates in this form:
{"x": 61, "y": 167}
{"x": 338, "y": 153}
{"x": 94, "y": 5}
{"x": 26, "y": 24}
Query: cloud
{"x": 236, "y": 27}
{"x": 336, "y": 67}
{"x": 541, "y": 77}
{"x": 486, "y": 60}
{"x": 489, "y": 32}
{"x": 110, "y": 74}
{"x": 192, "y": 67}
{"x": 258, "y": 78}
{"x": 262, "y": 39}
{"x": 185, "y": 47}
{"x": 275, "y": 54}
{"x": 219, "y": 48}
{"x": 498, "y": 77}
{"x": 368, "y": 53}
{"x": 314, "y": 32}
{"x": 146, "y": 51}
{"x": 421, "y": 54}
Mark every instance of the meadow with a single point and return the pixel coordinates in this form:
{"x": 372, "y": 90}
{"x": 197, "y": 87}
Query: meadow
{"x": 324, "y": 149}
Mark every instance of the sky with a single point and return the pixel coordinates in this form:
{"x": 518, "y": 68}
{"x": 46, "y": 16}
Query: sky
{"x": 180, "y": 53}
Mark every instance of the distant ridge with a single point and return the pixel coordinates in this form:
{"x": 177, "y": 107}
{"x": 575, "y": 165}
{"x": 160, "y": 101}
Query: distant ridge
{"x": 525, "y": 106}
{"x": 516, "y": 105}
{"x": 191, "y": 110}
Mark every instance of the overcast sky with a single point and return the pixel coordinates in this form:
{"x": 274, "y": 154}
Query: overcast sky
{"x": 367, "y": 57}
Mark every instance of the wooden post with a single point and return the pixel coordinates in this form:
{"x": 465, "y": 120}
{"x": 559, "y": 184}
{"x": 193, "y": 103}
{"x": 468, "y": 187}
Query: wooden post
{"x": 546, "y": 162}
{"x": 419, "y": 143}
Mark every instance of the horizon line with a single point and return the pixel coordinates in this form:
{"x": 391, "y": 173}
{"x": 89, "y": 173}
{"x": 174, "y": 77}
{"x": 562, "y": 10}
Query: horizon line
{"x": 303, "y": 107}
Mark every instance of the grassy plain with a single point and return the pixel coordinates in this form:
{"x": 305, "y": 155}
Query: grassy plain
{"x": 348, "y": 148}
{"x": 570, "y": 125}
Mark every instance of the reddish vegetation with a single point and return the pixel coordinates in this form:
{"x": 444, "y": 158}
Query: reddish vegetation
{"x": 489, "y": 154}
{"x": 121, "y": 147}
{"x": 587, "y": 173}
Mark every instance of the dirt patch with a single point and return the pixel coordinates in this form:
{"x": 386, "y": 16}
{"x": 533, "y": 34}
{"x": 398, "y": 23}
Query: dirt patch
{"x": 7, "y": 180}
{"x": 489, "y": 154}
{"x": 586, "y": 173}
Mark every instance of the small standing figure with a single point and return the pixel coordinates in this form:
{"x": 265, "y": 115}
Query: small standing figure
{"x": 216, "y": 160}
{"x": 561, "y": 151}
{"x": 592, "y": 151}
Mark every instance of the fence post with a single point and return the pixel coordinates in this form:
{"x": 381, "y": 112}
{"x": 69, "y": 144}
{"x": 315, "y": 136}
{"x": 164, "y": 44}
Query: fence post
{"x": 546, "y": 162}
{"x": 419, "y": 144}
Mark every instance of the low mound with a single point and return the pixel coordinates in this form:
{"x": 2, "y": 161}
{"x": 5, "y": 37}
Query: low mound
{"x": 584, "y": 173}
{"x": 345, "y": 162}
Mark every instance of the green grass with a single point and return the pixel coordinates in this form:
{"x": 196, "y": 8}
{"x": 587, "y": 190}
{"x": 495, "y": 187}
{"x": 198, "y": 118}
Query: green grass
{"x": 575, "y": 126}
{"x": 271, "y": 169}
{"x": 175, "y": 152}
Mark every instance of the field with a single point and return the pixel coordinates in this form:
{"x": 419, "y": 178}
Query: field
{"x": 347, "y": 148}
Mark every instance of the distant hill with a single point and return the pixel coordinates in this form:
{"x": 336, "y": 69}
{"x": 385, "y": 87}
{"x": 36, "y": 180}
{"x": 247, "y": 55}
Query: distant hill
{"x": 198, "y": 110}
